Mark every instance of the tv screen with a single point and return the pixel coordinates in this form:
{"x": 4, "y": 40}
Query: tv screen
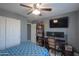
{"x": 50, "y": 33}
{"x": 56, "y": 34}
{"x": 59, "y": 23}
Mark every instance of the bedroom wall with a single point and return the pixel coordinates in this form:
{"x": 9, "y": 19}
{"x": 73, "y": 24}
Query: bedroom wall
{"x": 33, "y": 33}
{"x": 24, "y": 22}
{"x": 71, "y": 31}
{"x": 77, "y": 31}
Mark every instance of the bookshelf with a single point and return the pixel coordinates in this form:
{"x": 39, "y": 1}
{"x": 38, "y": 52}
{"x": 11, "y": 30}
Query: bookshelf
{"x": 40, "y": 33}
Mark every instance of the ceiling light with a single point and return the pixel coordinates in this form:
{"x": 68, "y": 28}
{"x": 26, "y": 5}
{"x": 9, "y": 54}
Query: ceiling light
{"x": 38, "y": 5}
{"x": 36, "y": 12}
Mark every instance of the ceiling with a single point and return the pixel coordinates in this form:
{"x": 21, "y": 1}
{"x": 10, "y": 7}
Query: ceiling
{"x": 57, "y": 9}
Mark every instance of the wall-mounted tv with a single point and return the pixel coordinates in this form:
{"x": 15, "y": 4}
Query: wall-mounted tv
{"x": 59, "y": 23}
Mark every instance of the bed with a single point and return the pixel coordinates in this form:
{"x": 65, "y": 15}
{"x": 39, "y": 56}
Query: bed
{"x": 25, "y": 49}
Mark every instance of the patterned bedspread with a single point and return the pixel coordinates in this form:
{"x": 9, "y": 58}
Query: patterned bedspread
{"x": 25, "y": 49}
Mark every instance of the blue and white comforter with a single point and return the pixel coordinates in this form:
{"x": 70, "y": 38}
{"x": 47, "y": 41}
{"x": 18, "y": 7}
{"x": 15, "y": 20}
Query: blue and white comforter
{"x": 25, "y": 49}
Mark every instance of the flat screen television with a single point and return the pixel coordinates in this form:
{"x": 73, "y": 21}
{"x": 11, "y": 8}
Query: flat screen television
{"x": 55, "y": 34}
{"x": 50, "y": 33}
{"x": 59, "y": 23}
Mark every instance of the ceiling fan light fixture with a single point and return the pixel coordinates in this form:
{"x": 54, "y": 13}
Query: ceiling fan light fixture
{"x": 38, "y": 5}
{"x": 36, "y": 12}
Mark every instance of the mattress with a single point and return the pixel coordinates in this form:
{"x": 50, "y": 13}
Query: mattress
{"x": 25, "y": 49}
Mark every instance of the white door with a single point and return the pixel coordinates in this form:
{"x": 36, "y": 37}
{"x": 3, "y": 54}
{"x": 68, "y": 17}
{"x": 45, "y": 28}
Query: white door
{"x": 2, "y": 33}
{"x": 33, "y": 33}
{"x": 12, "y": 32}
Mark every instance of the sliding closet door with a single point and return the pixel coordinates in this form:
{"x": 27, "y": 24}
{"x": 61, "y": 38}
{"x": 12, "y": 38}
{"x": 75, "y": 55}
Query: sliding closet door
{"x": 2, "y": 33}
{"x": 12, "y": 32}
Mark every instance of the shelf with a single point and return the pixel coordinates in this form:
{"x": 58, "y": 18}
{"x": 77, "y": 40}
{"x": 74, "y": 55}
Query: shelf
{"x": 40, "y": 33}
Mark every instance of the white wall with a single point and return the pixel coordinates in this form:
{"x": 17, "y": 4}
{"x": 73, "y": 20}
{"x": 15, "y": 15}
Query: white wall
{"x": 71, "y": 31}
{"x": 23, "y": 22}
{"x": 2, "y": 33}
{"x": 33, "y": 33}
{"x": 23, "y": 30}
{"x": 77, "y": 31}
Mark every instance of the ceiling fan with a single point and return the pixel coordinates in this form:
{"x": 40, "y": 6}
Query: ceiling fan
{"x": 36, "y": 9}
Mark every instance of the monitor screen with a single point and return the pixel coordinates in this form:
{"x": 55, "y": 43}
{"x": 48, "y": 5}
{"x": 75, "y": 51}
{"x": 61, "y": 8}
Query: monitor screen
{"x": 56, "y": 34}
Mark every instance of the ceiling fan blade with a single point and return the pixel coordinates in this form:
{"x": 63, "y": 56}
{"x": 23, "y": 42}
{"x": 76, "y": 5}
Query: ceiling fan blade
{"x": 46, "y": 9}
{"x": 25, "y": 6}
{"x": 29, "y": 12}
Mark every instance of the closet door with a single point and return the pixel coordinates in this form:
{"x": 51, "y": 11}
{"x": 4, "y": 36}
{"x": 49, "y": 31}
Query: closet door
{"x": 12, "y": 32}
{"x": 2, "y": 33}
